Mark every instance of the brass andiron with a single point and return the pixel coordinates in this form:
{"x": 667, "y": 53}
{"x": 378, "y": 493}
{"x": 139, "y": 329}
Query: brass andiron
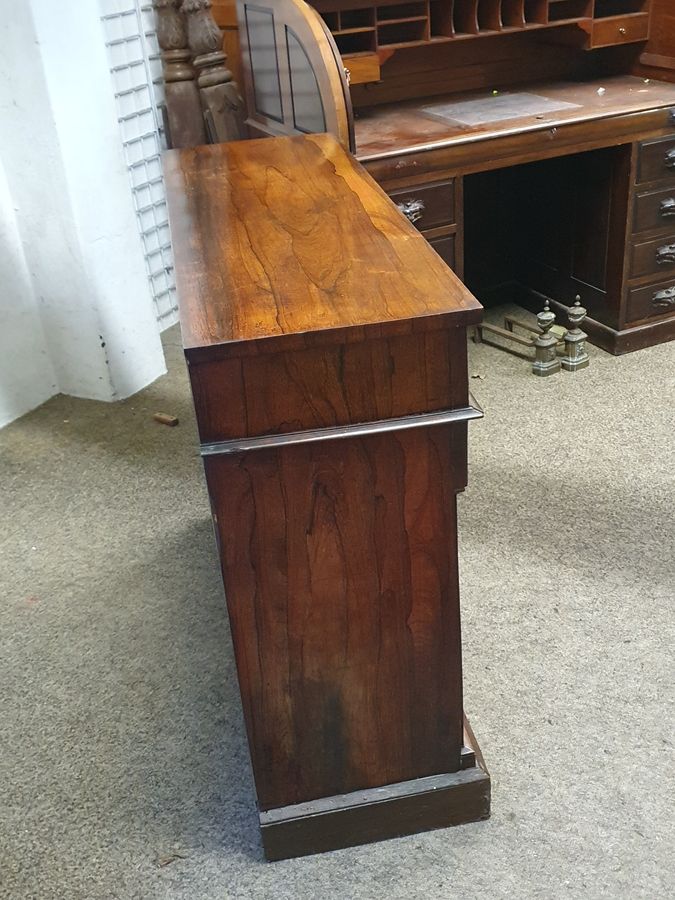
{"x": 576, "y": 355}
{"x": 545, "y": 360}
{"x": 554, "y": 347}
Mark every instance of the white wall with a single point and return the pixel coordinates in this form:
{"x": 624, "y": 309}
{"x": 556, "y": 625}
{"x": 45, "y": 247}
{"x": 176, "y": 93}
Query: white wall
{"x": 27, "y": 377}
{"x": 67, "y": 184}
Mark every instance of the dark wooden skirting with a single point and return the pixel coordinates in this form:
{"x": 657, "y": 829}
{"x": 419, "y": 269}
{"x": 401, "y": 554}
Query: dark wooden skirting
{"x": 628, "y": 339}
{"x": 395, "y": 810}
{"x": 311, "y": 436}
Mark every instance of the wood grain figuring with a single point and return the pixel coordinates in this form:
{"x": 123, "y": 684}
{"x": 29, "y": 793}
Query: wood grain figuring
{"x": 342, "y": 588}
{"x": 361, "y": 382}
{"x": 275, "y": 239}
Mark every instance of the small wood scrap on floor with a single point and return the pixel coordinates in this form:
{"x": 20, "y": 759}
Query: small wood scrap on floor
{"x": 166, "y": 419}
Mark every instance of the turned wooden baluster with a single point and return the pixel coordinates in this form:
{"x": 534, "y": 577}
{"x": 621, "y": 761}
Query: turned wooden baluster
{"x": 222, "y": 104}
{"x": 183, "y": 117}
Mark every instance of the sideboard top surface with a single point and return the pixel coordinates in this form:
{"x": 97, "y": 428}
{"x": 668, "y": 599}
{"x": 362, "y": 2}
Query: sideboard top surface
{"x": 288, "y": 239}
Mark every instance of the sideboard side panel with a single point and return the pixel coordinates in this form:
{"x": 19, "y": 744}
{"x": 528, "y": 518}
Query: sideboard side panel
{"x": 340, "y": 567}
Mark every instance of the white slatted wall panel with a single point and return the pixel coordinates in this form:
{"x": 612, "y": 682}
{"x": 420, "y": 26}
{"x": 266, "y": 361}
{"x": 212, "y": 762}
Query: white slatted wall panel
{"x": 129, "y": 33}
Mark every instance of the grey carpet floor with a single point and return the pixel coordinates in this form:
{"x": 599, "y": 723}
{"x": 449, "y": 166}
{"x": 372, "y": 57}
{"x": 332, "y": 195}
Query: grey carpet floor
{"x": 123, "y": 764}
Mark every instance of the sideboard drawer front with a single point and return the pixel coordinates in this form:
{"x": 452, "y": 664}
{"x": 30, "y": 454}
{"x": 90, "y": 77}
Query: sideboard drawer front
{"x": 657, "y": 161}
{"x": 653, "y": 257}
{"x": 655, "y": 300}
{"x": 429, "y": 205}
{"x": 323, "y": 387}
{"x": 613, "y": 30}
{"x": 655, "y": 209}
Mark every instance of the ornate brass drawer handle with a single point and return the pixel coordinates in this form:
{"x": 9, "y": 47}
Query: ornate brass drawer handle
{"x": 669, "y": 159}
{"x": 664, "y": 299}
{"x": 667, "y": 207}
{"x": 413, "y": 210}
{"x": 665, "y": 254}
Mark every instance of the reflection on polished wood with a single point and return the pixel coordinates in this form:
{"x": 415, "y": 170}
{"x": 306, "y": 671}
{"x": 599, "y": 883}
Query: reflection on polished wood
{"x": 338, "y": 256}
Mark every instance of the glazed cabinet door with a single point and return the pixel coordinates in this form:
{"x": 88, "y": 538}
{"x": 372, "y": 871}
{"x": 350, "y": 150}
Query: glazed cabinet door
{"x": 294, "y": 80}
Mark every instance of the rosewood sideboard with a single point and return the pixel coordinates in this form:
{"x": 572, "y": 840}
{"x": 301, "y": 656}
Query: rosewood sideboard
{"x": 326, "y": 347}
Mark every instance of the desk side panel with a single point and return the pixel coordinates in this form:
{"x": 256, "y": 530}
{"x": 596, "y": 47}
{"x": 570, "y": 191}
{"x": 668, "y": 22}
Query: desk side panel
{"x": 340, "y": 568}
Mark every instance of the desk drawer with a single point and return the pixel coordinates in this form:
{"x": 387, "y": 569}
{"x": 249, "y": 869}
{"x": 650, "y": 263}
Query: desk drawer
{"x": 445, "y": 247}
{"x": 655, "y": 300}
{"x": 657, "y": 160}
{"x": 653, "y": 257}
{"x": 655, "y": 210}
{"x": 625, "y": 29}
{"x": 429, "y": 205}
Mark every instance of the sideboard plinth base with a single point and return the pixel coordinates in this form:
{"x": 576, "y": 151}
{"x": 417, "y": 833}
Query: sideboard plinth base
{"x": 376, "y": 814}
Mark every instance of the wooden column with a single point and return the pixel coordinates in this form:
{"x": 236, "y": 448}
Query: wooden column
{"x": 183, "y": 117}
{"x": 222, "y": 104}
{"x": 225, "y": 14}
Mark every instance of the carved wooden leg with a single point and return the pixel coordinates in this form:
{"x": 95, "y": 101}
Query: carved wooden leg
{"x": 222, "y": 104}
{"x": 184, "y": 119}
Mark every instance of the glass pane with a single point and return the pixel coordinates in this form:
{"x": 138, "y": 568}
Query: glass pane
{"x": 264, "y": 62}
{"x": 308, "y": 112}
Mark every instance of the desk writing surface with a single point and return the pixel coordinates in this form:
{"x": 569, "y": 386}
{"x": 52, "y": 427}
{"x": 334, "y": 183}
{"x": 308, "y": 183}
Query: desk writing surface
{"x": 282, "y": 237}
{"x": 398, "y": 127}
